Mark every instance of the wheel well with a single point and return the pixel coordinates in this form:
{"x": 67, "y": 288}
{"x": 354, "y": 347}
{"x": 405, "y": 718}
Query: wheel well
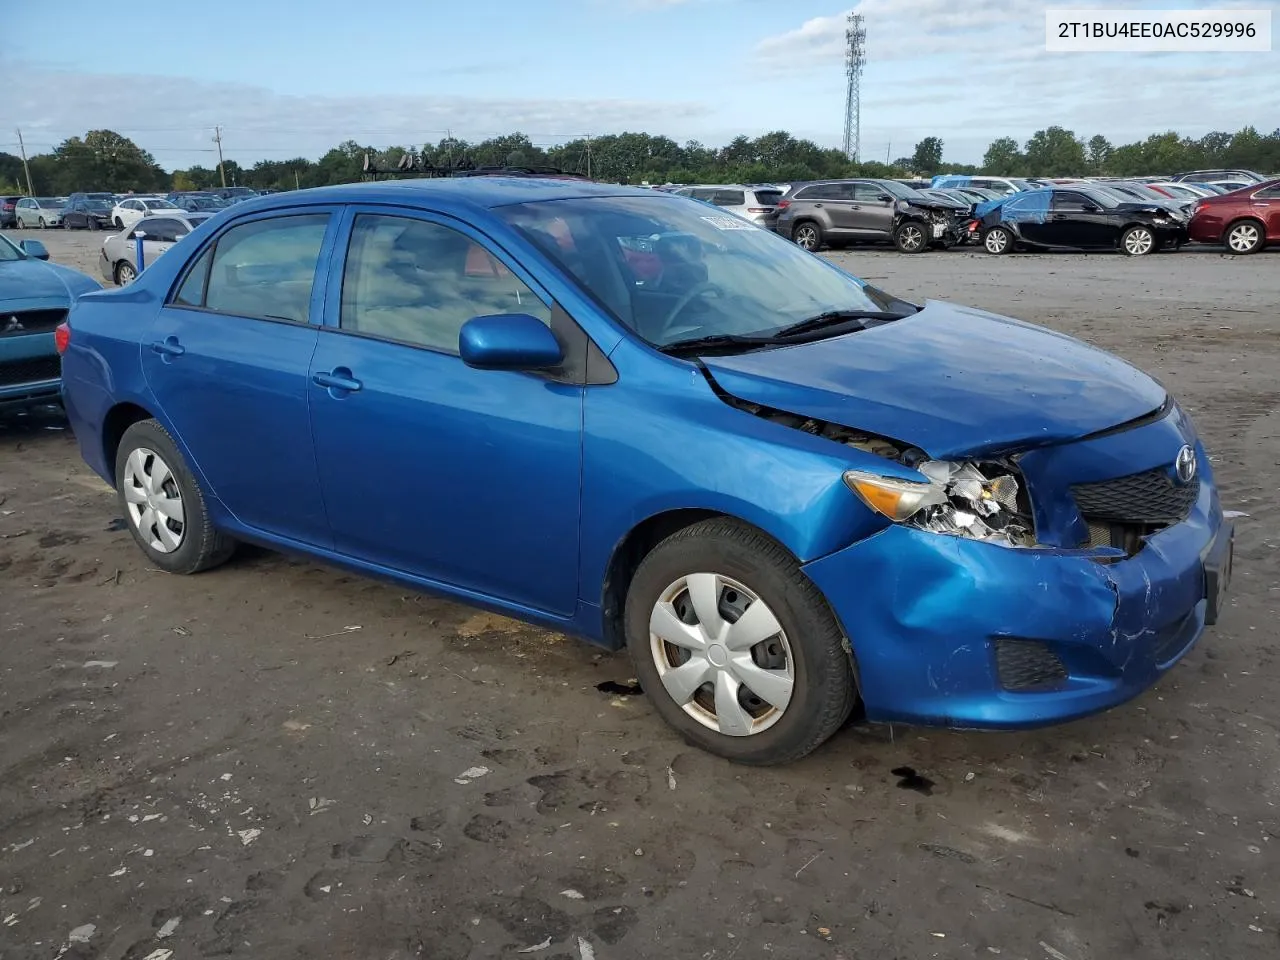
{"x": 627, "y": 555}
{"x": 802, "y": 221}
{"x": 119, "y": 419}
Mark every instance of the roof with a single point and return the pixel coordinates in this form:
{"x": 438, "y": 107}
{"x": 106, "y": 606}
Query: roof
{"x": 481, "y": 192}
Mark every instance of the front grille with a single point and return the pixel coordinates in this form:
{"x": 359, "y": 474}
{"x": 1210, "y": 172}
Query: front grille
{"x": 31, "y": 370}
{"x": 1149, "y": 497}
{"x": 23, "y": 322}
{"x": 1027, "y": 665}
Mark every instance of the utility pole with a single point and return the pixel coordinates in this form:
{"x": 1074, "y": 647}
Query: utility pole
{"x": 296, "y": 185}
{"x": 22, "y": 147}
{"x": 588, "y": 156}
{"x": 217, "y": 138}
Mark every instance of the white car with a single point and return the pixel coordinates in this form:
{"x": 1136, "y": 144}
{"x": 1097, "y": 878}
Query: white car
{"x": 118, "y": 260}
{"x": 132, "y": 209}
{"x": 31, "y": 212}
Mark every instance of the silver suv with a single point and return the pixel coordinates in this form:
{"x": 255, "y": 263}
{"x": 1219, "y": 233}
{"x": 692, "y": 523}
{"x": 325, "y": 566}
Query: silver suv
{"x": 848, "y": 211}
{"x": 751, "y": 203}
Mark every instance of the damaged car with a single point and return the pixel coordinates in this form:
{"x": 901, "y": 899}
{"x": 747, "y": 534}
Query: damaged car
{"x": 630, "y": 417}
{"x": 841, "y": 212}
{"x": 1078, "y": 218}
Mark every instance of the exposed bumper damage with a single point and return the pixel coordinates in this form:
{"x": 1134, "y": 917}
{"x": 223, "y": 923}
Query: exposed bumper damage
{"x": 943, "y": 225}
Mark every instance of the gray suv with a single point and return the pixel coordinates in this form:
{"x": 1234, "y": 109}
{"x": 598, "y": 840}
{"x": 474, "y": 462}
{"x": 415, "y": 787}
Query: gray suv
{"x": 850, "y": 211}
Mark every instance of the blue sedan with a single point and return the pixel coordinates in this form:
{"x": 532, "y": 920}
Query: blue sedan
{"x": 630, "y": 417}
{"x": 34, "y": 298}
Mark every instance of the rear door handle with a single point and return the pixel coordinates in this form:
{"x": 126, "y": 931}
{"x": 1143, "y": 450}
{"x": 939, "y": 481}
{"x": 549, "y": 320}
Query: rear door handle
{"x": 169, "y": 347}
{"x": 339, "y": 378}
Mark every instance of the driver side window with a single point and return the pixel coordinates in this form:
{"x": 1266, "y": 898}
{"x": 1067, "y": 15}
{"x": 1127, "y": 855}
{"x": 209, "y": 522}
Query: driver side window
{"x": 418, "y": 282}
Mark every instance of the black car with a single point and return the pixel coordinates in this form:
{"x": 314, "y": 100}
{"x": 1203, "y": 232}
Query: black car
{"x": 8, "y": 216}
{"x": 86, "y": 214}
{"x": 1078, "y": 218}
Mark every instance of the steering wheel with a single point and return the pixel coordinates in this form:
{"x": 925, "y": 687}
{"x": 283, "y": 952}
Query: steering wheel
{"x": 697, "y": 290}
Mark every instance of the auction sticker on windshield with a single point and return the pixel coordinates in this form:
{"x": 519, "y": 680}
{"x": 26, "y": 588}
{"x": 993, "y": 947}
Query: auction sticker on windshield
{"x": 729, "y": 223}
{"x": 1175, "y": 31}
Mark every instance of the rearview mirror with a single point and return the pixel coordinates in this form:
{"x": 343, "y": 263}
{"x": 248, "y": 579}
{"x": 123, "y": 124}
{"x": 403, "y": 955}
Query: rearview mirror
{"x": 34, "y": 249}
{"x": 512, "y": 341}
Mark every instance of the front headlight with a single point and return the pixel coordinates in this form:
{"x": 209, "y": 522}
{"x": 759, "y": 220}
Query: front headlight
{"x": 955, "y": 499}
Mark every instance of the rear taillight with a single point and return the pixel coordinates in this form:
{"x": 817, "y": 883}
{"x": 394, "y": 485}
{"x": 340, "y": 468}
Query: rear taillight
{"x": 62, "y": 337}
{"x": 783, "y": 204}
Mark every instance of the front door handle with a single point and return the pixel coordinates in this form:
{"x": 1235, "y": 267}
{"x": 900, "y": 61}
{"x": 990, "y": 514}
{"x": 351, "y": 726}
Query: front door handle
{"x": 169, "y": 347}
{"x": 339, "y": 378}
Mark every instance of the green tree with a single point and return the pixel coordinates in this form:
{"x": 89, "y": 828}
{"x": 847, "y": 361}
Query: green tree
{"x": 1003, "y": 158}
{"x": 927, "y": 158}
{"x": 1054, "y": 152}
{"x": 1099, "y": 154}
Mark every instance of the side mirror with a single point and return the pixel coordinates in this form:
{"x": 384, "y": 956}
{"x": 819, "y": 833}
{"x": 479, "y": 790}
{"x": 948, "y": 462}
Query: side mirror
{"x": 884, "y": 198}
{"x": 1091, "y": 208}
{"x": 514, "y": 341}
{"x": 34, "y": 249}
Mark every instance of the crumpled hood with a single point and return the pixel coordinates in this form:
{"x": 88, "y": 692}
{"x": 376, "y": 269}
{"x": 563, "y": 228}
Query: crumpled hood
{"x": 951, "y": 380}
{"x": 31, "y": 280}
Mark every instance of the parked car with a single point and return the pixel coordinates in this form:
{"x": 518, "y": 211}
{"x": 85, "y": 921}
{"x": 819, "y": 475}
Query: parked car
{"x": 195, "y": 200}
{"x": 1247, "y": 176}
{"x": 109, "y": 198}
{"x": 41, "y": 212}
{"x": 118, "y": 259}
{"x": 1002, "y": 185}
{"x": 86, "y": 214}
{"x": 844, "y": 211}
{"x": 1134, "y": 192}
{"x": 34, "y": 298}
{"x": 234, "y": 194}
{"x": 1243, "y": 221}
{"x": 8, "y": 205}
{"x": 1229, "y": 185}
{"x": 1078, "y": 218}
{"x": 750, "y": 203}
{"x": 132, "y": 209}
{"x": 783, "y": 489}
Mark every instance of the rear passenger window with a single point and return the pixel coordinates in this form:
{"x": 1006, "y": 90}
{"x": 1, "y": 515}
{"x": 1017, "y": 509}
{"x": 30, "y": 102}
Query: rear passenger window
{"x": 419, "y": 282}
{"x": 729, "y": 198}
{"x": 266, "y": 268}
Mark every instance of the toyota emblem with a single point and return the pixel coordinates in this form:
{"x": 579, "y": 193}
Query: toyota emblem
{"x": 1185, "y": 465}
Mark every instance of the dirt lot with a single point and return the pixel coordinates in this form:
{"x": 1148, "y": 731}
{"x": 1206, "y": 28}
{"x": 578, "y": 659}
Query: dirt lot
{"x": 276, "y": 760}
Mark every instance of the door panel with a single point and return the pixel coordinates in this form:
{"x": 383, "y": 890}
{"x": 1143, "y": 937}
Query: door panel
{"x": 235, "y": 386}
{"x": 871, "y": 216}
{"x": 469, "y": 477}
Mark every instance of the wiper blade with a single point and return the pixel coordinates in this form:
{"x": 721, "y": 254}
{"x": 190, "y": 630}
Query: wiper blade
{"x": 716, "y": 342}
{"x": 833, "y": 317}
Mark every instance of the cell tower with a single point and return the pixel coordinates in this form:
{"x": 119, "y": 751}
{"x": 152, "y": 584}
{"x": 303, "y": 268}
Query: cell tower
{"x": 855, "y": 58}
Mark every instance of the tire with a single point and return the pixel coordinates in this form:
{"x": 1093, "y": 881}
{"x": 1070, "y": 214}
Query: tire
{"x": 124, "y": 272}
{"x": 195, "y": 545}
{"x": 911, "y": 236}
{"x": 997, "y": 241}
{"x": 119, "y": 223}
{"x": 809, "y": 647}
{"x": 1244, "y": 237}
{"x": 1138, "y": 241}
{"x": 807, "y": 235}
{"x": 41, "y": 224}
{"x": 94, "y": 225}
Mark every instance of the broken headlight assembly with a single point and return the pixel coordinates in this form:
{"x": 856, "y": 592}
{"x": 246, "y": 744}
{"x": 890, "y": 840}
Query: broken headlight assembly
{"x": 955, "y": 499}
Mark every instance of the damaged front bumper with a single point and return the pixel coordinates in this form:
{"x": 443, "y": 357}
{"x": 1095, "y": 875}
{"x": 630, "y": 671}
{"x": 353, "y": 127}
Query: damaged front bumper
{"x": 955, "y": 632}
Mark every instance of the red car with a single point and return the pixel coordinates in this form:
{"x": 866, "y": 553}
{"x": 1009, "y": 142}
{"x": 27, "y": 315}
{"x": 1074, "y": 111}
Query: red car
{"x": 1244, "y": 220}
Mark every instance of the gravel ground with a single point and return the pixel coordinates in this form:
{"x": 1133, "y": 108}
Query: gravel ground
{"x": 277, "y": 760}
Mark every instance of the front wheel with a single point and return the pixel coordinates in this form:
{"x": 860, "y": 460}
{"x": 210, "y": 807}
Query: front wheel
{"x": 997, "y": 241}
{"x": 736, "y": 647}
{"x": 910, "y": 237}
{"x": 1137, "y": 241}
{"x": 125, "y": 274}
{"x": 119, "y": 223}
{"x": 163, "y": 503}
{"x": 41, "y": 223}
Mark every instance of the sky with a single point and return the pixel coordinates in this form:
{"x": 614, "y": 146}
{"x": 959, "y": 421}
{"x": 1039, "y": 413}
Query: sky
{"x": 287, "y": 78}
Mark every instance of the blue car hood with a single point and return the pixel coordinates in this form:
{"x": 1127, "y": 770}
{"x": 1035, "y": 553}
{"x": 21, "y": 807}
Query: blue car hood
{"x": 31, "y": 281}
{"x": 950, "y": 380}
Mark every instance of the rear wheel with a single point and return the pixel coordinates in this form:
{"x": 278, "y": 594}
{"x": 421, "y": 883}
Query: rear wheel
{"x": 163, "y": 503}
{"x": 807, "y": 235}
{"x": 1137, "y": 241}
{"x": 119, "y": 223}
{"x": 1244, "y": 237}
{"x": 41, "y": 223}
{"x": 911, "y": 237}
{"x": 736, "y": 647}
{"x": 997, "y": 240}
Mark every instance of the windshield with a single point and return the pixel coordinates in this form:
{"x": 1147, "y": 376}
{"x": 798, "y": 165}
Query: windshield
{"x": 8, "y": 251}
{"x": 50, "y": 202}
{"x": 670, "y": 269}
{"x": 899, "y": 190}
{"x": 159, "y": 205}
{"x": 1104, "y": 198}
{"x": 98, "y": 205}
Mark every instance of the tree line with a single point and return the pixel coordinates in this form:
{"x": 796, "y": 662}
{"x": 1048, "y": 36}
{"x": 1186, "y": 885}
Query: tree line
{"x": 105, "y": 160}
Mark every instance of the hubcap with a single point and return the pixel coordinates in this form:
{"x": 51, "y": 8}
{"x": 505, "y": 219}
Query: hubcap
{"x": 153, "y": 500}
{"x": 996, "y": 241}
{"x": 806, "y": 238}
{"x": 126, "y": 274}
{"x": 721, "y": 654}
{"x": 1138, "y": 242}
{"x": 1243, "y": 237}
{"x": 912, "y": 238}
